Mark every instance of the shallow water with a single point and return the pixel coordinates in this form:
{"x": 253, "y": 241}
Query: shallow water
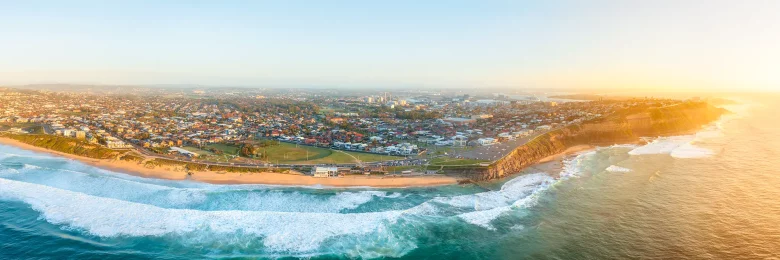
{"x": 709, "y": 195}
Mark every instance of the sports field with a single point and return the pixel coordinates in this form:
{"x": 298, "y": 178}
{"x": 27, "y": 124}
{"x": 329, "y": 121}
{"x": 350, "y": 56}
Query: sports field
{"x": 287, "y": 153}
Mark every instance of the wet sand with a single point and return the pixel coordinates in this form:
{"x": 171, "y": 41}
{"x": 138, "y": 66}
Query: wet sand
{"x": 568, "y": 151}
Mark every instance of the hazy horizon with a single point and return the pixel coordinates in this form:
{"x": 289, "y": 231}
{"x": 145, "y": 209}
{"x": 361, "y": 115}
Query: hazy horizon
{"x": 661, "y": 45}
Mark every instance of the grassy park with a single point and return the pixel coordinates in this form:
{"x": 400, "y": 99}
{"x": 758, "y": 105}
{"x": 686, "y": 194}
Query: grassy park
{"x": 287, "y": 153}
{"x": 446, "y": 161}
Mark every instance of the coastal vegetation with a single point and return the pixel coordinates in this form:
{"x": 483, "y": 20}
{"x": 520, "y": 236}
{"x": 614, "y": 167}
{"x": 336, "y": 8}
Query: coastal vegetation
{"x": 64, "y": 145}
{"x": 131, "y": 157}
{"x": 200, "y": 167}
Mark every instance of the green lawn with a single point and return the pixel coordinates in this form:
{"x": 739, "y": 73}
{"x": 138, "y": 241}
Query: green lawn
{"x": 370, "y": 157}
{"x": 206, "y": 155}
{"x": 454, "y": 161}
{"x": 290, "y": 153}
{"x": 287, "y": 153}
{"x": 24, "y": 126}
{"x": 225, "y": 148}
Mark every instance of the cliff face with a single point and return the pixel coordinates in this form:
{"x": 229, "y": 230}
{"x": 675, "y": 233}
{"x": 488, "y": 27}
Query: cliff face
{"x": 623, "y": 127}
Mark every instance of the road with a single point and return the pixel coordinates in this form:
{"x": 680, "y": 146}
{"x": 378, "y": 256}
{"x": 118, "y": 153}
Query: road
{"x": 496, "y": 151}
{"x": 489, "y": 153}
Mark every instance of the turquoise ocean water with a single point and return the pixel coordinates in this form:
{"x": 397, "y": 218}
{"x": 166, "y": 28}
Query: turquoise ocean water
{"x": 712, "y": 195}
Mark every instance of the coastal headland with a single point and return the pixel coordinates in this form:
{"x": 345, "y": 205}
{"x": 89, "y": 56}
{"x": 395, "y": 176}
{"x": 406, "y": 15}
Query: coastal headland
{"x": 624, "y": 127}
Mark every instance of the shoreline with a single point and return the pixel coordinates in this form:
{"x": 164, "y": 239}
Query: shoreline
{"x": 272, "y": 178}
{"x": 564, "y": 153}
{"x": 268, "y": 178}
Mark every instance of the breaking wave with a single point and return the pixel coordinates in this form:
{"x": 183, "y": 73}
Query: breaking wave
{"x": 256, "y": 218}
{"x": 685, "y": 146}
{"x": 675, "y": 146}
{"x": 298, "y": 232}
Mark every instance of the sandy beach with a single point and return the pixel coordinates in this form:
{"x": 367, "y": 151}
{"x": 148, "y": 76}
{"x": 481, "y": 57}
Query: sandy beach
{"x": 568, "y": 151}
{"x": 270, "y": 178}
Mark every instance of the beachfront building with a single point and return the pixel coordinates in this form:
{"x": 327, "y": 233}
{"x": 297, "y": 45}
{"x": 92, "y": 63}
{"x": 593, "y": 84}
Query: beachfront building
{"x": 81, "y": 135}
{"x": 324, "y": 172}
{"x": 114, "y": 143}
{"x": 184, "y": 152}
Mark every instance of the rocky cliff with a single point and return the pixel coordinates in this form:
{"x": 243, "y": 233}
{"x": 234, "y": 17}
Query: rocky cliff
{"x": 625, "y": 126}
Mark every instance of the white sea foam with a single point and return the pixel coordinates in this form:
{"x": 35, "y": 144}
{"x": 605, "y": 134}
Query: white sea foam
{"x": 26, "y": 153}
{"x": 519, "y": 192}
{"x": 30, "y": 167}
{"x": 517, "y": 227}
{"x": 661, "y": 145}
{"x": 685, "y": 146}
{"x": 621, "y": 146}
{"x": 510, "y": 192}
{"x": 213, "y": 198}
{"x": 615, "y": 168}
{"x": 484, "y": 217}
{"x": 676, "y": 146}
{"x": 8, "y": 171}
{"x": 300, "y": 232}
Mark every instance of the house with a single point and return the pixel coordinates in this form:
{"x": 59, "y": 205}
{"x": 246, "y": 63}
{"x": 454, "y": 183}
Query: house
{"x": 506, "y": 136}
{"x": 486, "y": 141}
{"x": 17, "y": 130}
{"x": 184, "y": 152}
{"x": 81, "y": 135}
{"x": 459, "y": 140}
{"x": 521, "y": 133}
{"x": 543, "y": 127}
{"x": 443, "y": 142}
{"x": 324, "y": 172}
{"x": 68, "y": 132}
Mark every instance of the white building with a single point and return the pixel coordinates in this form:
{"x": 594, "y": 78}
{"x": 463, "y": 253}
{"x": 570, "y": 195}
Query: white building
{"x": 486, "y": 141}
{"x": 508, "y": 136}
{"x": 459, "y": 140}
{"x": 522, "y": 133}
{"x": 324, "y": 172}
{"x": 114, "y": 143}
{"x": 543, "y": 127}
{"x": 184, "y": 152}
{"x": 443, "y": 142}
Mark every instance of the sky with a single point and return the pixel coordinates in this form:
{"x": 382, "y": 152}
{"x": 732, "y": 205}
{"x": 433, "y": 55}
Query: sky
{"x": 684, "y": 44}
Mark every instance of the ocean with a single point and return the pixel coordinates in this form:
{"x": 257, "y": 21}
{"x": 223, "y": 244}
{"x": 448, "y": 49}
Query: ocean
{"x": 710, "y": 195}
